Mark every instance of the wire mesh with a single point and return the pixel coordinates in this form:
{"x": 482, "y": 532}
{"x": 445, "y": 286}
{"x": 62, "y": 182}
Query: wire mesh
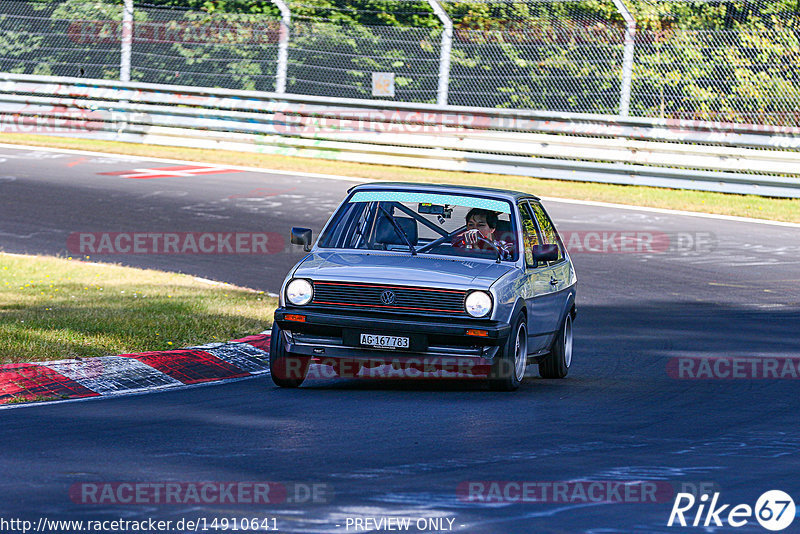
{"x": 218, "y": 49}
{"x": 60, "y": 38}
{"x": 333, "y": 51}
{"x": 559, "y": 56}
{"x": 720, "y": 60}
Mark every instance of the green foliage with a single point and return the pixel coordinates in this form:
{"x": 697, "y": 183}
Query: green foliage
{"x": 713, "y": 59}
{"x": 725, "y": 62}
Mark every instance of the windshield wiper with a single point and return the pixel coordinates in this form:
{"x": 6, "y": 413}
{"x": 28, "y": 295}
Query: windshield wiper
{"x": 399, "y": 231}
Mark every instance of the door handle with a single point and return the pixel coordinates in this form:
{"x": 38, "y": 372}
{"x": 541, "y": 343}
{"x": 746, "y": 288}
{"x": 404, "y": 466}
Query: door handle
{"x": 553, "y": 281}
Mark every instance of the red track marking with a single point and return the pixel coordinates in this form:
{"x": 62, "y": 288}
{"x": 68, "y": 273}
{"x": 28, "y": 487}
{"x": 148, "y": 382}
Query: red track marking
{"x": 77, "y": 162}
{"x": 25, "y": 380}
{"x": 169, "y": 172}
{"x": 390, "y": 307}
{"x": 189, "y": 366}
{"x": 258, "y": 341}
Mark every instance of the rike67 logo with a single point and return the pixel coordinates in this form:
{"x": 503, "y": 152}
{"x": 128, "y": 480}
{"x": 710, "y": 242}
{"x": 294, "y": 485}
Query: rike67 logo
{"x": 774, "y": 510}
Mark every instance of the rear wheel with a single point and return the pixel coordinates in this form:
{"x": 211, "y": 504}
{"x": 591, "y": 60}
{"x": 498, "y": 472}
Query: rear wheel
{"x": 556, "y": 364}
{"x": 508, "y": 368}
{"x": 286, "y": 370}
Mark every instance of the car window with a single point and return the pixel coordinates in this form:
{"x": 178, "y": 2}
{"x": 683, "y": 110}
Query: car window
{"x": 421, "y": 223}
{"x": 549, "y": 233}
{"x": 530, "y": 235}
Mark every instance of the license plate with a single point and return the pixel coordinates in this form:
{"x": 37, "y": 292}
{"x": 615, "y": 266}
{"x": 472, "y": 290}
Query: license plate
{"x": 385, "y": 342}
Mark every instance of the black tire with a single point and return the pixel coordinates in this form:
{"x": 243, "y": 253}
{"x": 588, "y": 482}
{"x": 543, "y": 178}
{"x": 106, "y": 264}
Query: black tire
{"x": 287, "y": 371}
{"x": 508, "y": 371}
{"x": 557, "y": 363}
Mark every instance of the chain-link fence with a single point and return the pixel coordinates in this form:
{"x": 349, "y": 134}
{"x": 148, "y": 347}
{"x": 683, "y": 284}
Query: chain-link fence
{"x": 698, "y": 59}
{"x": 50, "y": 38}
{"x": 190, "y": 47}
{"x": 720, "y": 61}
{"x": 537, "y": 55}
{"x": 332, "y": 55}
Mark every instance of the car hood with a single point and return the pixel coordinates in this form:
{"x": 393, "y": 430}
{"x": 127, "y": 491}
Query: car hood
{"x": 419, "y": 271}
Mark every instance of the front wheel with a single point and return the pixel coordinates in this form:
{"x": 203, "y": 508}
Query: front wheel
{"x": 286, "y": 370}
{"x": 508, "y": 368}
{"x": 556, "y": 364}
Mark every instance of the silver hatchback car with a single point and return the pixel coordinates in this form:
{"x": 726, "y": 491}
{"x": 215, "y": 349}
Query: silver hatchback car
{"x": 429, "y": 277}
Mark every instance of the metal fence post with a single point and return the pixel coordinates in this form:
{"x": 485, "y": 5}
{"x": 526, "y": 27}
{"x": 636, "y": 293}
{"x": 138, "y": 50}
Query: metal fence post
{"x": 444, "y": 55}
{"x": 627, "y": 58}
{"x": 283, "y": 46}
{"x": 127, "y": 40}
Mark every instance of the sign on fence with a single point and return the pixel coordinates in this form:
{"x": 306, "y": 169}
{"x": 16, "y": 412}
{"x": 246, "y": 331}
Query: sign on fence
{"x": 383, "y": 84}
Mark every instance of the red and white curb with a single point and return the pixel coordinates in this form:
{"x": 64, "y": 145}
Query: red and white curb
{"x": 133, "y": 373}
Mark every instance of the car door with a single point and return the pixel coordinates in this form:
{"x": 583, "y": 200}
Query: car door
{"x": 553, "y": 278}
{"x": 537, "y": 287}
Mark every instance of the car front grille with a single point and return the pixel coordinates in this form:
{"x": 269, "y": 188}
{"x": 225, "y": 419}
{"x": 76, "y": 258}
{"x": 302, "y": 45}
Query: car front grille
{"x": 377, "y": 296}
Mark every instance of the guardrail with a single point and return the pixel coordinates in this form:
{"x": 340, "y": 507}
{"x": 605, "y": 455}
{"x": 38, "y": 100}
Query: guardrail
{"x": 731, "y": 158}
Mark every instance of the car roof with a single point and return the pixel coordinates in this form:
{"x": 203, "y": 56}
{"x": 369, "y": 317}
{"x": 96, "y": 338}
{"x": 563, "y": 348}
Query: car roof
{"x": 444, "y": 188}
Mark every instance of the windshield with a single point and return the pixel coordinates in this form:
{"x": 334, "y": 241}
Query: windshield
{"x": 424, "y": 223}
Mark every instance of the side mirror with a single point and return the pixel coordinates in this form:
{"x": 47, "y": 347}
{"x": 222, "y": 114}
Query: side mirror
{"x": 302, "y": 236}
{"x": 545, "y": 252}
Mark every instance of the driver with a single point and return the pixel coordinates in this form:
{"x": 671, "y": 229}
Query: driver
{"x": 482, "y": 223}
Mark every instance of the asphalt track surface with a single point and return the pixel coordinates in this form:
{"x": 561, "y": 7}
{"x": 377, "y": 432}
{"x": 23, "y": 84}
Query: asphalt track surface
{"x": 393, "y": 448}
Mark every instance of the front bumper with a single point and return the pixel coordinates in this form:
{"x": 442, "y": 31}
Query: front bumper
{"x": 334, "y": 334}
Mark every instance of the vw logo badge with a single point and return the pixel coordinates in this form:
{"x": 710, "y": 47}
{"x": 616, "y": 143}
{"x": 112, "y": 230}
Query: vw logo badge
{"x": 387, "y": 297}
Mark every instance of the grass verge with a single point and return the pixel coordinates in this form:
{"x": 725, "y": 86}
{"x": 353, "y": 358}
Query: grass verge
{"x": 706, "y": 202}
{"x": 57, "y": 308}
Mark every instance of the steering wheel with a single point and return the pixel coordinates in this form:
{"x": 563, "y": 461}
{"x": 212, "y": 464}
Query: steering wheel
{"x": 461, "y": 241}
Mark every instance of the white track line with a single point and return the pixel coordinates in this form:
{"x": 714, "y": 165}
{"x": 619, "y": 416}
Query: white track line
{"x": 731, "y": 218}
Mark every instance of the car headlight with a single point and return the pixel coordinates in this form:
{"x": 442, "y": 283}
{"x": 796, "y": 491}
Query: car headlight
{"x": 478, "y": 304}
{"x": 299, "y": 292}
